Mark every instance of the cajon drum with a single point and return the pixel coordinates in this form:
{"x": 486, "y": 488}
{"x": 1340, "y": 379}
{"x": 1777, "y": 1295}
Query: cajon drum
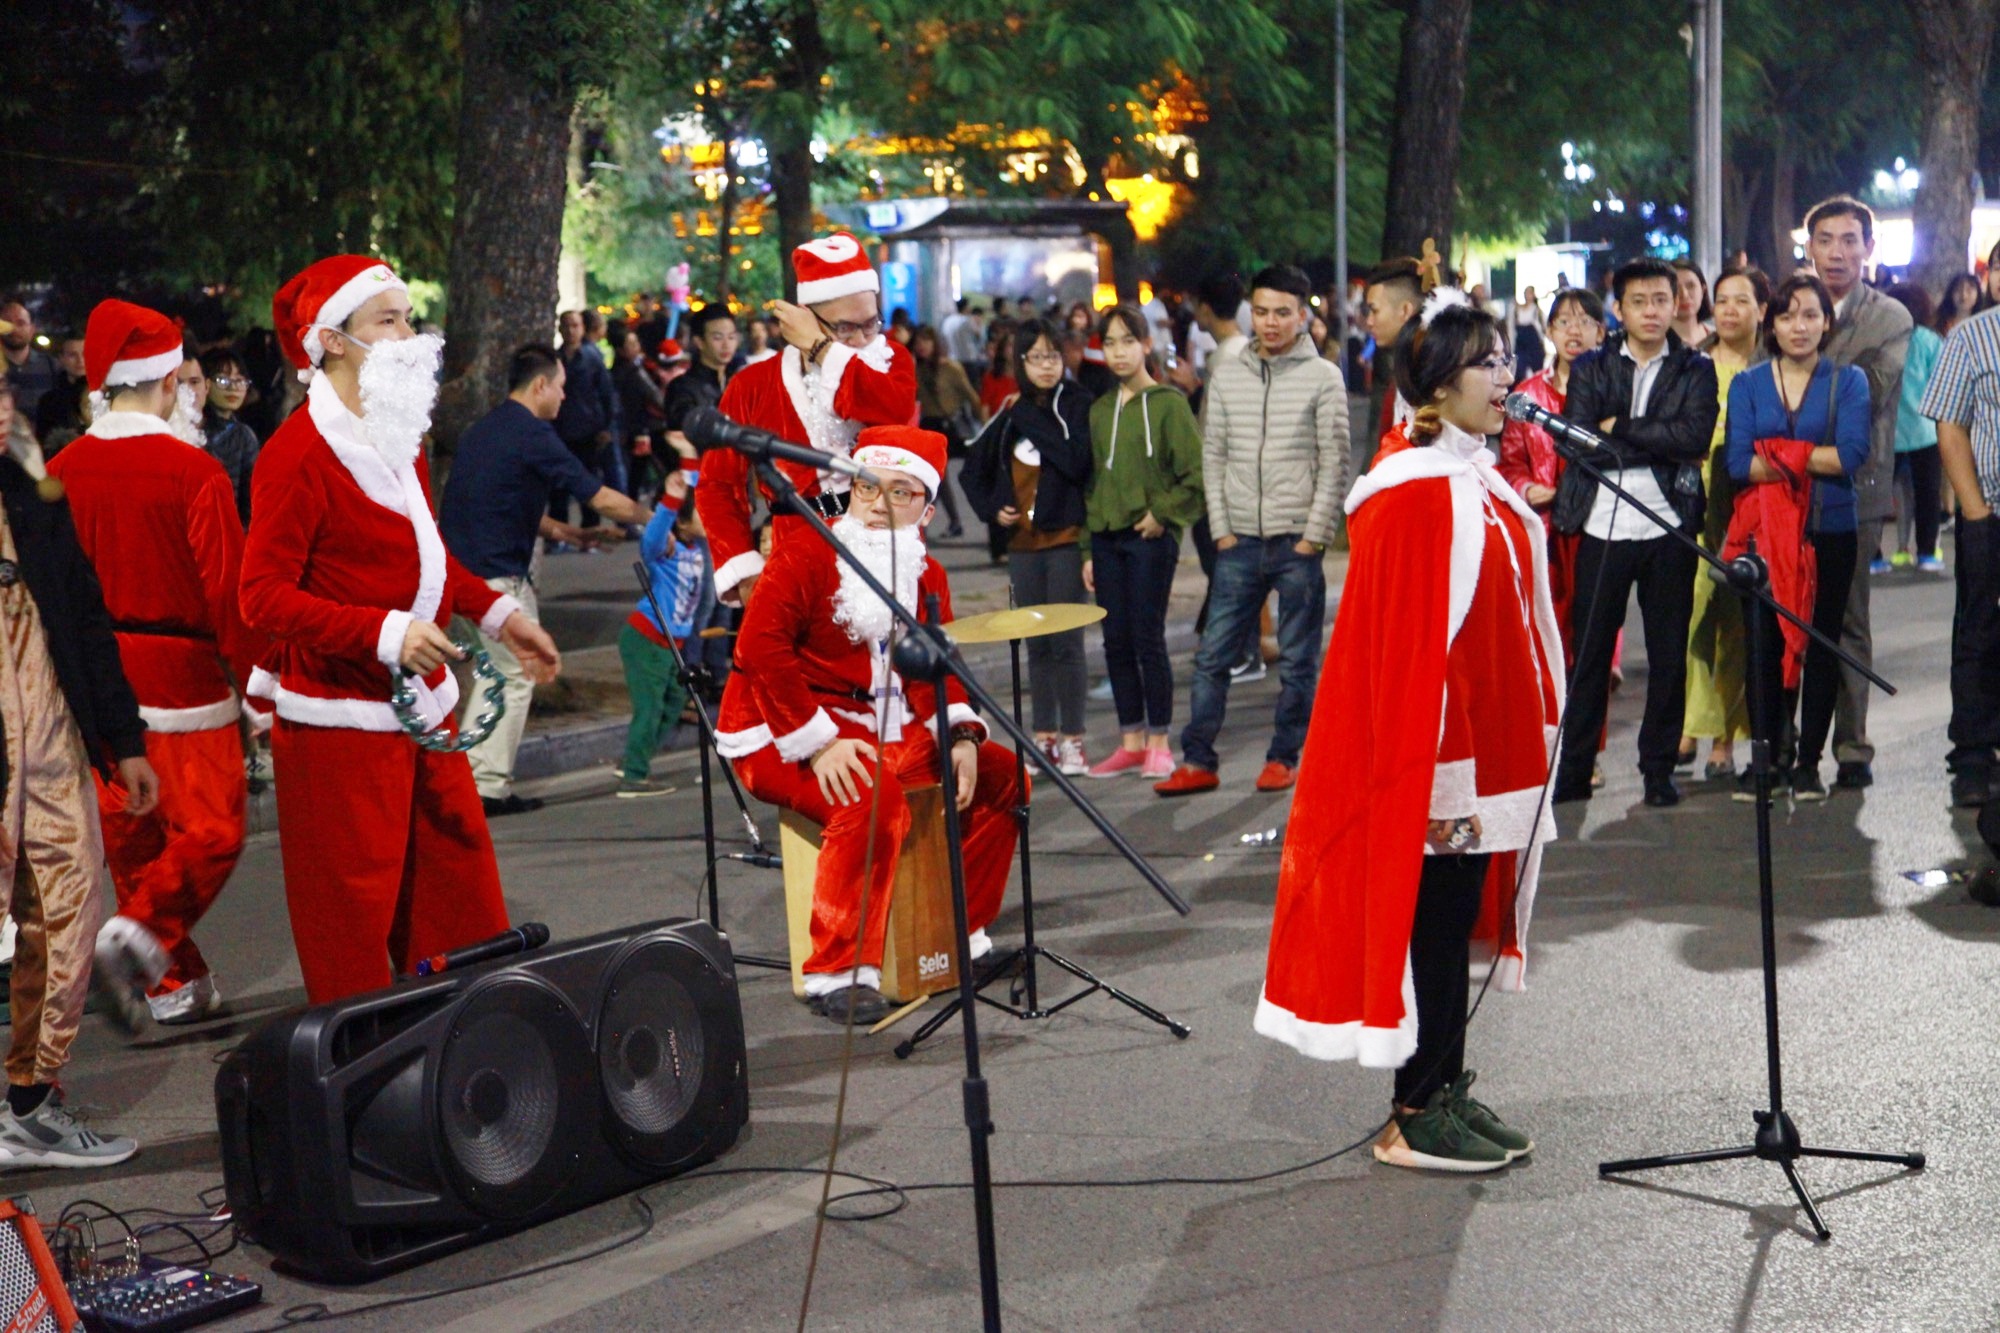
{"x": 918, "y": 957}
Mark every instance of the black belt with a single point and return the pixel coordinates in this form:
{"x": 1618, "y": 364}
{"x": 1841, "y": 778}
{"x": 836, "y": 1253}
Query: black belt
{"x": 855, "y": 694}
{"x": 160, "y": 631}
{"x": 829, "y": 504}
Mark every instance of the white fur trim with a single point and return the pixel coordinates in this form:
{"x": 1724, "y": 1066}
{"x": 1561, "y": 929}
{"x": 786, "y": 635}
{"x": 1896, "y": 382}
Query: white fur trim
{"x": 349, "y": 298}
{"x": 959, "y": 715}
{"x": 822, "y": 290}
{"x": 1440, "y": 299}
{"x": 261, "y": 685}
{"x": 1454, "y": 790}
{"x": 496, "y": 615}
{"x": 900, "y": 460}
{"x": 824, "y": 430}
{"x": 433, "y": 706}
{"x": 206, "y": 717}
{"x": 389, "y": 640}
{"x": 144, "y": 369}
{"x": 826, "y": 983}
{"x": 1376, "y": 1048}
{"x": 819, "y": 732}
{"x": 396, "y": 490}
{"x": 131, "y": 426}
{"x": 737, "y": 744}
{"x": 978, "y": 944}
{"x": 732, "y": 572}
{"x": 874, "y": 354}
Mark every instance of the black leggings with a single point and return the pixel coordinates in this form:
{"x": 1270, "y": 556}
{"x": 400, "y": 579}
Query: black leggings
{"x": 1448, "y": 896}
{"x": 1819, "y": 683}
{"x": 1922, "y": 473}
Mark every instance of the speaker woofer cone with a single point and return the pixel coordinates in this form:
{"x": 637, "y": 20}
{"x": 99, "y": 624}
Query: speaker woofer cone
{"x": 512, "y": 1072}
{"x": 652, "y": 1060}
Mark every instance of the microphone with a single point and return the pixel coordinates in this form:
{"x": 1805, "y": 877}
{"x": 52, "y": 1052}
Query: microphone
{"x": 762, "y": 860}
{"x": 527, "y": 935}
{"x": 710, "y": 429}
{"x": 1520, "y": 407}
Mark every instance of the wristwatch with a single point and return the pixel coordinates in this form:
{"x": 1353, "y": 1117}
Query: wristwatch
{"x": 967, "y": 731}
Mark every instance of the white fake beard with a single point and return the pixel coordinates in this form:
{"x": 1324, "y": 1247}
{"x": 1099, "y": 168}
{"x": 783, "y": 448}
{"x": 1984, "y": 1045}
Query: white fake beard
{"x": 184, "y": 422}
{"x": 399, "y": 387}
{"x": 866, "y": 617}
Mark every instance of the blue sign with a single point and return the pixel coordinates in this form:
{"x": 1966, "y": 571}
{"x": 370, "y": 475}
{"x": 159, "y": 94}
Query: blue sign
{"x": 899, "y": 287}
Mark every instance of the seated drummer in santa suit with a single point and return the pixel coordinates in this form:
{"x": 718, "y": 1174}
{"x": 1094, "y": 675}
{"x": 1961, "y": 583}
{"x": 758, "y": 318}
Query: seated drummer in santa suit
{"x": 386, "y": 854}
{"x": 839, "y": 374}
{"x": 814, "y": 709}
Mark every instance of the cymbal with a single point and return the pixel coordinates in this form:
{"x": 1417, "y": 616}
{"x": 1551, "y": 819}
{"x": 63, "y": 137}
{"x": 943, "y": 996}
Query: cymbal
{"x": 718, "y": 632}
{"x": 1024, "y": 622}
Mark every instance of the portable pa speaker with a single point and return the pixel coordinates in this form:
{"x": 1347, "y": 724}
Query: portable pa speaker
{"x": 32, "y": 1296}
{"x": 373, "y": 1133}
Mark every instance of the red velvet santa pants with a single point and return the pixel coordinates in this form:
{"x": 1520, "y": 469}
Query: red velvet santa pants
{"x": 168, "y": 866}
{"x": 987, "y": 827}
{"x": 387, "y": 857}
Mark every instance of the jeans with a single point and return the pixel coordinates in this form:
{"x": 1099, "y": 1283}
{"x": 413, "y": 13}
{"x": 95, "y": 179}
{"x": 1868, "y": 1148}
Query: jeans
{"x": 1245, "y": 575}
{"x": 1056, "y": 676}
{"x": 1663, "y": 572}
{"x": 1134, "y": 577}
{"x": 1975, "y": 647}
{"x": 1448, "y": 895}
{"x": 1819, "y": 682}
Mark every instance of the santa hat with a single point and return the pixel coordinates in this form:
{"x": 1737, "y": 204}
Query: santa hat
{"x": 324, "y": 295}
{"x": 1093, "y": 351}
{"x": 671, "y": 351}
{"x": 125, "y": 344}
{"x": 832, "y": 267}
{"x": 921, "y": 453}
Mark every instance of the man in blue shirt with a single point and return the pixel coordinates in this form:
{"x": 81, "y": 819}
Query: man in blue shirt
{"x": 495, "y": 507}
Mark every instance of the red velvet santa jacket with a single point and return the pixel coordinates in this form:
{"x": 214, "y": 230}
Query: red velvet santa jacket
{"x": 343, "y": 554}
{"x": 872, "y": 386}
{"x": 157, "y": 517}
{"x": 1439, "y": 700}
{"x": 800, "y": 681}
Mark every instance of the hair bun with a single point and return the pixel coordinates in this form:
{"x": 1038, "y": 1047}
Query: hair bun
{"x": 1427, "y": 424}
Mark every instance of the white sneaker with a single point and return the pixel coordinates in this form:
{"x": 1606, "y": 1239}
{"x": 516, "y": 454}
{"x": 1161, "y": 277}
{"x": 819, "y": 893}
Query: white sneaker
{"x": 50, "y": 1136}
{"x": 1070, "y": 757}
{"x": 186, "y": 1004}
{"x": 978, "y": 945}
{"x": 130, "y": 962}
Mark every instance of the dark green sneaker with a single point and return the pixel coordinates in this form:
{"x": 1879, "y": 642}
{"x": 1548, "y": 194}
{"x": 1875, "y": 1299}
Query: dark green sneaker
{"x": 1435, "y": 1139}
{"x": 1480, "y": 1119}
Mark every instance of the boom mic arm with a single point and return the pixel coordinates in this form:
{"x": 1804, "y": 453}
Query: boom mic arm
{"x": 708, "y": 428}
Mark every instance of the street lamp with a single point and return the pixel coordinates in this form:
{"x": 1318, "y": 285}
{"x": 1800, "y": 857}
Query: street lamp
{"x": 1575, "y": 172}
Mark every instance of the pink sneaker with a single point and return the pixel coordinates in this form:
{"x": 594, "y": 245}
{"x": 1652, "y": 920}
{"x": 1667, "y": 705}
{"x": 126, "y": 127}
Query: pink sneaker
{"x": 1120, "y": 762}
{"x": 1159, "y": 765}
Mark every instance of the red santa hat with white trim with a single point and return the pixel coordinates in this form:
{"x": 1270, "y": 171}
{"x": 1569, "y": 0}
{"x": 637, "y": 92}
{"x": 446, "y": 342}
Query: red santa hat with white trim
{"x": 921, "y": 453}
{"x": 126, "y": 344}
{"x": 832, "y": 267}
{"x": 323, "y": 296}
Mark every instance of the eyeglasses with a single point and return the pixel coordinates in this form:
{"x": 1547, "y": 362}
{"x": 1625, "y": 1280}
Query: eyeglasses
{"x": 900, "y": 497}
{"x": 1499, "y": 367}
{"x": 1043, "y": 358}
{"x": 1573, "y": 322}
{"x": 230, "y": 382}
{"x": 867, "y": 328}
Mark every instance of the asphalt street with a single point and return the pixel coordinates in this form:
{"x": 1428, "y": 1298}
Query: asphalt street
{"x": 1640, "y": 1032}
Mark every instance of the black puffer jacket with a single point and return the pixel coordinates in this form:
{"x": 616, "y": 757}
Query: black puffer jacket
{"x": 1061, "y": 431}
{"x": 71, "y": 604}
{"x": 1672, "y": 437}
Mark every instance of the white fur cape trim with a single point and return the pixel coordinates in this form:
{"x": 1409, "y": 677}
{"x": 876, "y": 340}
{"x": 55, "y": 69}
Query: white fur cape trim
{"x": 733, "y": 571}
{"x": 131, "y": 426}
{"x": 204, "y": 717}
{"x": 1377, "y": 1048}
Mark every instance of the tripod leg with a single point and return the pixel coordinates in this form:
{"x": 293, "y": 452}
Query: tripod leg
{"x": 1673, "y": 1159}
{"x": 1805, "y": 1200}
{"x": 1133, "y": 1003}
{"x": 1913, "y": 1160}
{"x": 931, "y": 1024}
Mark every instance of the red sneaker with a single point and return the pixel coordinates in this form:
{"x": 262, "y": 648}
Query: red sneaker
{"x": 1186, "y": 781}
{"x": 1277, "y": 777}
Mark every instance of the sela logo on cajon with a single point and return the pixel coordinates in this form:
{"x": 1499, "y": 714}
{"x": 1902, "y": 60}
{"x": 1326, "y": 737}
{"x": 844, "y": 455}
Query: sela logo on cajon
{"x": 931, "y": 964}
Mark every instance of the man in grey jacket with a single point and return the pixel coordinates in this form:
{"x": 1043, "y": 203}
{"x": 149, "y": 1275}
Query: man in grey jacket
{"x": 1871, "y": 331}
{"x": 1275, "y": 470}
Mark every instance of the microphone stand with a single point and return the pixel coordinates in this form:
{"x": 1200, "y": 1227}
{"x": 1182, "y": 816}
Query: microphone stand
{"x": 759, "y": 855}
{"x": 1777, "y": 1139}
{"x": 926, "y": 652}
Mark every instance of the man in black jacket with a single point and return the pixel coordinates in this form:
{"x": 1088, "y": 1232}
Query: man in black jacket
{"x": 588, "y": 422}
{"x": 64, "y": 705}
{"x": 1654, "y": 399}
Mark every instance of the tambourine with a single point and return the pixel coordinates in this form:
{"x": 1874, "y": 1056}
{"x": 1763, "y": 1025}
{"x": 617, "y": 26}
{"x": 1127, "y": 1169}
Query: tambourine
{"x": 440, "y": 739}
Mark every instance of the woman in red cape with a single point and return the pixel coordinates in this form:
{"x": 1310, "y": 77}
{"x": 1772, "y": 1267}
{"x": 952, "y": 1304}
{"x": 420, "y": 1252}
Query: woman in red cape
{"x": 1425, "y": 769}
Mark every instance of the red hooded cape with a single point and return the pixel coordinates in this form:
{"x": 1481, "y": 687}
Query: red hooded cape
{"x": 1439, "y": 699}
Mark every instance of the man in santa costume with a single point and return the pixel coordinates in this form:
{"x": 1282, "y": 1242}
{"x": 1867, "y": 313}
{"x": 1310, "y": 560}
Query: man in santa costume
{"x": 814, "y": 713}
{"x": 157, "y": 516}
{"x": 1426, "y": 768}
{"x": 838, "y": 374}
{"x": 386, "y": 853}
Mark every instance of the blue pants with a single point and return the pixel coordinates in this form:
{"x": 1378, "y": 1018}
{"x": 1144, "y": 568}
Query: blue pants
{"x": 1245, "y": 575}
{"x": 1134, "y": 577}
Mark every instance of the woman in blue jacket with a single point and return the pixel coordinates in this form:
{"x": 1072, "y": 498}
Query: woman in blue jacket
{"x": 1800, "y": 395}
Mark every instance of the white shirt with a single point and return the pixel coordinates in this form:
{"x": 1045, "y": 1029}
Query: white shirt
{"x": 1627, "y": 524}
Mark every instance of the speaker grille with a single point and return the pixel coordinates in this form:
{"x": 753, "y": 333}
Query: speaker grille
{"x": 650, "y": 1050}
{"x": 512, "y": 1071}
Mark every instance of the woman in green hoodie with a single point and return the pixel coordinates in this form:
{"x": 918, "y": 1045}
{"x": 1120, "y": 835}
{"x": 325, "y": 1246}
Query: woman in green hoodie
{"x": 1145, "y": 490}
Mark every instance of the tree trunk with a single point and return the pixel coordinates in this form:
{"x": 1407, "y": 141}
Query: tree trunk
{"x": 725, "y": 214}
{"x": 1954, "y": 41}
{"x": 1423, "y": 154}
{"x": 789, "y": 137}
{"x": 513, "y": 150}
{"x": 1784, "y": 215}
